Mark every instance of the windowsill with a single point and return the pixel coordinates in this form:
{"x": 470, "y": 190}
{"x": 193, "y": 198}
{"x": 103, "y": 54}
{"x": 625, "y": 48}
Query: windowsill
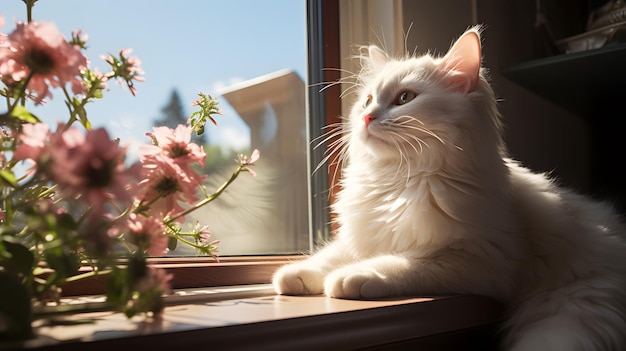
{"x": 253, "y": 317}
{"x": 197, "y": 272}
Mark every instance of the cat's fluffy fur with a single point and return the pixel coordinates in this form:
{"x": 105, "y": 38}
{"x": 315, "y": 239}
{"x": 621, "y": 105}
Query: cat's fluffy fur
{"x": 431, "y": 204}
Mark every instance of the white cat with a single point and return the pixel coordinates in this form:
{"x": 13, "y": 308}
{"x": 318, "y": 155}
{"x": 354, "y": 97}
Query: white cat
{"x": 431, "y": 204}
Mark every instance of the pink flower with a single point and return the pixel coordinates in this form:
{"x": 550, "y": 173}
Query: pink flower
{"x": 256, "y": 154}
{"x": 126, "y": 69}
{"x": 3, "y": 37}
{"x": 38, "y": 51}
{"x": 79, "y": 39}
{"x": 169, "y": 176}
{"x": 97, "y": 230}
{"x": 33, "y": 138}
{"x": 203, "y": 239}
{"x": 246, "y": 161}
{"x": 156, "y": 278}
{"x": 164, "y": 184}
{"x": 148, "y": 234}
{"x": 203, "y": 232}
{"x": 133, "y": 65}
{"x": 176, "y": 144}
{"x": 90, "y": 167}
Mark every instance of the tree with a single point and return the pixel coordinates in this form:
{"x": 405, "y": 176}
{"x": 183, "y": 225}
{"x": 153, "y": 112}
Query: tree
{"x": 173, "y": 114}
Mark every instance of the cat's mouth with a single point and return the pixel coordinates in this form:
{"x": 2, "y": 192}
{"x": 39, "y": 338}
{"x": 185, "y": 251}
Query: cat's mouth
{"x": 367, "y": 133}
{"x": 372, "y": 135}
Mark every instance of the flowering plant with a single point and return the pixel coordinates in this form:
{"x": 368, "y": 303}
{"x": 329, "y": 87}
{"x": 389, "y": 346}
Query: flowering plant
{"x": 67, "y": 197}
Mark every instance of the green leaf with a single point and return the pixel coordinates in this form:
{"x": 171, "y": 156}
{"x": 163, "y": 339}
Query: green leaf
{"x": 117, "y": 288}
{"x": 63, "y": 261}
{"x": 15, "y": 309}
{"x": 199, "y": 130}
{"x": 172, "y": 242}
{"x": 8, "y": 177}
{"x": 21, "y": 113}
{"x": 19, "y": 258}
{"x": 66, "y": 221}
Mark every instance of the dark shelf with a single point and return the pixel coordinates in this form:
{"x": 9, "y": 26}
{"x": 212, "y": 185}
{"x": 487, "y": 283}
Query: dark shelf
{"x": 576, "y": 81}
{"x": 592, "y": 85}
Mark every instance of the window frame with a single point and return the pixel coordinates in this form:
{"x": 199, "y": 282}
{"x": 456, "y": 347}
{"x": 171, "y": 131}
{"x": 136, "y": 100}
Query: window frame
{"x": 324, "y": 108}
{"x": 195, "y": 272}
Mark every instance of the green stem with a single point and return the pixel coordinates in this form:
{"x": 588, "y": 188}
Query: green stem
{"x": 82, "y": 276}
{"x": 8, "y": 100}
{"x": 50, "y": 191}
{"x": 211, "y": 197}
{"x": 187, "y": 242}
{"x": 22, "y": 93}
{"x": 72, "y": 111}
{"x": 29, "y": 11}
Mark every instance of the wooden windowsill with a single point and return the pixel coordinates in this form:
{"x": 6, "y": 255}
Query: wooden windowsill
{"x": 197, "y": 272}
{"x": 254, "y": 318}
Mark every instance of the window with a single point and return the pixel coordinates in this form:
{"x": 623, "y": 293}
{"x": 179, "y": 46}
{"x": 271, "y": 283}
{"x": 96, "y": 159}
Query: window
{"x": 235, "y": 51}
{"x": 266, "y": 83}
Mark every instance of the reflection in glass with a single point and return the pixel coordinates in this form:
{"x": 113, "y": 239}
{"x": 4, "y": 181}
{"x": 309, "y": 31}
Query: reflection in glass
{"x": 266, "y": 214}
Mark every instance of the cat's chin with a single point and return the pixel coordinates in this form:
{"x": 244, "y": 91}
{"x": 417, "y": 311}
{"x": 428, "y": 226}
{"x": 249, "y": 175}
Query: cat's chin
{"x": 380, "y": 150}
{"x": 373, "y": 140}
{"x": 377, "y": 146}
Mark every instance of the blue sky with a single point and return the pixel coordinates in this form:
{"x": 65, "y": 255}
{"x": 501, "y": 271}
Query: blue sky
{"x": 192, "y": 46}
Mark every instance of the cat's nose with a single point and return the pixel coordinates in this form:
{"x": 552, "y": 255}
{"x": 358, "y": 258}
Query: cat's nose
{"x": 367, "y": 119}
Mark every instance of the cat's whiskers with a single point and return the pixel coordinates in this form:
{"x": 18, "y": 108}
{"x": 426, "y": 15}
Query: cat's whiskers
{"x": 406, "y": 138}
{"x": 328, "y": 155}
{"x": 405, "y": 121}
{"x": 337, "y": 151}
{"x": 402, "y": 151}
{"x": 395, "y": 127}
{"x": 349, "y": 87}
{"x": 350, "y": 81}
{"x": 327, "y": 84}
{"x": 406, "y": 37}
{"x": 342, "y": 70}
{"x": 338, "y": 162}
{"x": 336, "y": 141}
{"x": 335, "y": 148}
{"x": 398, "y": 146}
{"x": 335, "y": 130}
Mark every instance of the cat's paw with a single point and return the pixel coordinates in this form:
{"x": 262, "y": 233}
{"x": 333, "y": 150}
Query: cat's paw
{"x": 298, "y": 279}
{"x": 353, "y": 283}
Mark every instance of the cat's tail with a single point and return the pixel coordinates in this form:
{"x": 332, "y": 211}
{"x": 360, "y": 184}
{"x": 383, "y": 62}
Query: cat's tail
{"x": 586, "y": 315}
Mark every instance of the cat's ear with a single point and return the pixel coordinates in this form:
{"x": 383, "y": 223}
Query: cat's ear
{"x": 463, "y": 61}
{"x": 377, "y": 57}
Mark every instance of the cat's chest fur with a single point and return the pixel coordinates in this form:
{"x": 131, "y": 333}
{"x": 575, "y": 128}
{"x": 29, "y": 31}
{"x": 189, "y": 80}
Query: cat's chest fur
{"x": 384, "y": 211}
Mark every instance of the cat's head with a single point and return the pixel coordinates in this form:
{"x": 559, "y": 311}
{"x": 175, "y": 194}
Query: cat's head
{"x": 424, "y": 110}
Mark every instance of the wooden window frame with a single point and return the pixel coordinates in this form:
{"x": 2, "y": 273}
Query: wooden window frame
{"x": 196, "y": 272}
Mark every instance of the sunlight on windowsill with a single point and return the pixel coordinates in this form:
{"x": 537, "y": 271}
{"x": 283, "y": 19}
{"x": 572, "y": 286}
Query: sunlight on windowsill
{"x": 252, "y": 316}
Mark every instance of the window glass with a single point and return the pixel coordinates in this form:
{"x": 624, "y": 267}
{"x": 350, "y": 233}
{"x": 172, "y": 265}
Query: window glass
{"x": 249, "y": 54}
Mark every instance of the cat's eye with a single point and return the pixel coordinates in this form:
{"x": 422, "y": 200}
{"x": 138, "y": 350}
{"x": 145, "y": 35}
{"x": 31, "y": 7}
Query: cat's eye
{"x": 404, "y": 97}
{"x": 368, "y": 101}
